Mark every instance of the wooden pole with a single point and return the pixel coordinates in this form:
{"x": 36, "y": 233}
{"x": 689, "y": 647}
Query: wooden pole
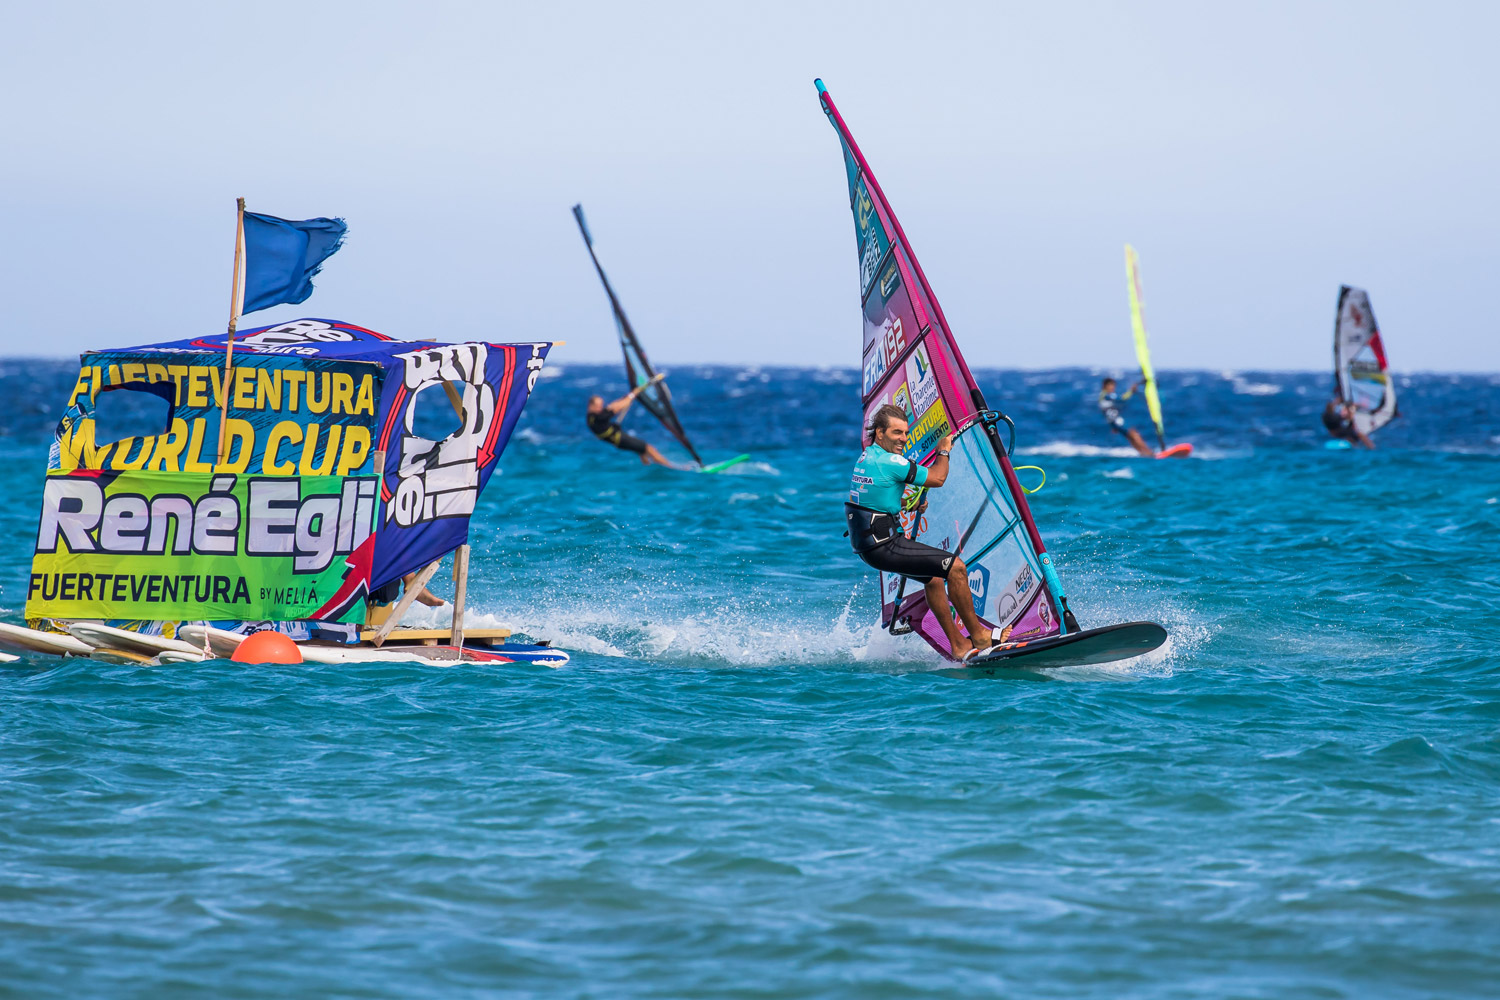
{"x": 460, "y": 593}
{"x": 236, "y": 305}
{"x": 405, "y": 602}
{"x": 454, "y": 398}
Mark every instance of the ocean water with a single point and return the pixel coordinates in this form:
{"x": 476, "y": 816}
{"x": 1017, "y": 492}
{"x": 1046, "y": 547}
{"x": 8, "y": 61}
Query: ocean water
{"x": 741, "y": 788}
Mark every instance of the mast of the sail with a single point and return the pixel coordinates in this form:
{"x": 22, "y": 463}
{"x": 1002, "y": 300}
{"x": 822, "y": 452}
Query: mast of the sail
{"x": 628, "y": 334}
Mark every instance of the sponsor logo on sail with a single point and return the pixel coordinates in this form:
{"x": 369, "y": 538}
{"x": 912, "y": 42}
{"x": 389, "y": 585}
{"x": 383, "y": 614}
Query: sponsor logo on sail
{"x": 889, "y": 343}
{"x": 920, "y": 377}
{"x": 979, "y": 584}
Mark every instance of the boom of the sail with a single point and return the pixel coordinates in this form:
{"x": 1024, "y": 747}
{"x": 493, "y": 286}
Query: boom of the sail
{"x": 656, "y": 397}
{"x": 1142, "y": 350}
{"x": 911, "y": 359}
{"x": 1359, "y": 362}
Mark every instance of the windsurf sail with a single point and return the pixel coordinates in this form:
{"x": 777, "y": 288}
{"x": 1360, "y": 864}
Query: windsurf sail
{"x": 656, "y": 397}
{"x": 1359, "y": 363}
{"x": 910, "y": 358}
{"x": 1142, "y": 350}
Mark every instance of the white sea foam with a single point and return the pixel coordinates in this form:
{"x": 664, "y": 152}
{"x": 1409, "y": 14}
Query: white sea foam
{"x": 1120, "y": 474}
{"x": 751, "y": 469}
{"x": 1243, "y": 387}
{"x": 734, "y": 637}
{"x": 759, "y": 635}
{"x": 1067, "y": 449}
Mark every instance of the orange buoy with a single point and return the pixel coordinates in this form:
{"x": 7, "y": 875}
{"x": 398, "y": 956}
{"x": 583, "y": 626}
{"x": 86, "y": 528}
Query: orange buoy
{"x": 267, "y": 647}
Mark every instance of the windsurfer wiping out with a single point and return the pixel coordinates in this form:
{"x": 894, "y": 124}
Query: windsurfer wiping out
{"x": 604, "y": 420}
{"x": 874, "y": 513}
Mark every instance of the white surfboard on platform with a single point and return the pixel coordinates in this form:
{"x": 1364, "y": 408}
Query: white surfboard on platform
{"x": 18, "y": 639}
{"x": 167, "y": 656}
{"x": 108, "y": 637}
{"x": 223, "y": 643}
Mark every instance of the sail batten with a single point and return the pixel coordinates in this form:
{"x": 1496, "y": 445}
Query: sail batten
{"x": 655, "y": 397}
{"x": 910, "y": 358}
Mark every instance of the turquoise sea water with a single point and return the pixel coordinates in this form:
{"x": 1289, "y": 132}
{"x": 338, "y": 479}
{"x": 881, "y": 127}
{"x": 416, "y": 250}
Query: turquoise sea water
{"x": 740, "y": 788}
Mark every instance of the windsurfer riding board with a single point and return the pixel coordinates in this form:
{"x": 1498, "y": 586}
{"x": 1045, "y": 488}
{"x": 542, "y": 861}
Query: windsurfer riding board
{"x": 604, "y": 420}
{"x": 1338, "y": 417}
{"x": 1110, "y": 403}
{"x": 874, "y": 512}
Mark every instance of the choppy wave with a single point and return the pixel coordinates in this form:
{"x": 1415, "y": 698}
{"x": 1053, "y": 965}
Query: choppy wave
{"x": 742, "y": 785}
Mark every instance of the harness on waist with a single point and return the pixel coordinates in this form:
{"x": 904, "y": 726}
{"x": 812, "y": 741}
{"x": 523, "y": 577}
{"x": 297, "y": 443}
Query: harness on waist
{"x": 869, "y": 529}
{"x": 607, "y": 431}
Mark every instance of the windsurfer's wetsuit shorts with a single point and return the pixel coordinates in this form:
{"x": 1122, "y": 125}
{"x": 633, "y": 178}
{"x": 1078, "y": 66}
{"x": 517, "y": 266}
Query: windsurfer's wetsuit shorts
{"x": 877, "y": 539}
{"x": 607, "y": 429}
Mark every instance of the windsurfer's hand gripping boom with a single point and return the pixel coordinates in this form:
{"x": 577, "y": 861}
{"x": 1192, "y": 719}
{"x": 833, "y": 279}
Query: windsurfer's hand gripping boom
{"x": 619, "y": 406}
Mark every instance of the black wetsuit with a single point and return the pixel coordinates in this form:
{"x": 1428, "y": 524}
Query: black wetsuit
{"x": 606, "y": 427}
{"x": 878, "y": 541}
{"x": 875, "y": 491}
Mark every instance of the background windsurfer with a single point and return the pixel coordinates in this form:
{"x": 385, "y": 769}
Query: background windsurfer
{"x": 1109, "y": 405}
{"x": 1338, "y": 417}
{"x": 604, "y": 420}
{"x": 874, "y": 513}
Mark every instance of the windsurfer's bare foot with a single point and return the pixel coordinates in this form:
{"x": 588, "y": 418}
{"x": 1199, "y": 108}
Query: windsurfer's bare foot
{"x": 962, "y": 649}
{"x": 983, "y": 640}
{"x": 1004, "y": 635}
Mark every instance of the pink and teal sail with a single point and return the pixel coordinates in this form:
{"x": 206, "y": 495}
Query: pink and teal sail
{"x": 910, "y": 358}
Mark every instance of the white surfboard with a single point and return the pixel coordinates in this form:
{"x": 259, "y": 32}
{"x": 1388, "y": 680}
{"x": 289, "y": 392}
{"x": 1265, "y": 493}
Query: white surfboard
{"x": 167, "y": 656}
{"x": 18, "y": 639}
{"x": 221, "y": 642}
{"x": 108, "y": 637}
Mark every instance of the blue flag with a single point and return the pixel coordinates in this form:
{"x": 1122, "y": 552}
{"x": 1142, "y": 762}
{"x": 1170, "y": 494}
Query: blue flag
{"x": 281, "y": 257}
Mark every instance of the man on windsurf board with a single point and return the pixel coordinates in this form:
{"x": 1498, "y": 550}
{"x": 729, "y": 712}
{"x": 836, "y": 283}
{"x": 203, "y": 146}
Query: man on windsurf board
{"x": 1110, "y": 403}
{"x": 604, "y": 420}
{"x": 874, "y": 513}
{"x": 1338, "y": 417}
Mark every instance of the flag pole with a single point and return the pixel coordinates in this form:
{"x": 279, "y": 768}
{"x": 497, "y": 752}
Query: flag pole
{"x": 236, "y": 304}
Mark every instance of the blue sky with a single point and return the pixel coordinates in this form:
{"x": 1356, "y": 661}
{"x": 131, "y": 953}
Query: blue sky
{"x": 1257, "y": 155}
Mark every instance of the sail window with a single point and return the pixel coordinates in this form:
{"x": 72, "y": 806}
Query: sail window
{"x": 132, "y": 410}
{"x": 435, "y": 412}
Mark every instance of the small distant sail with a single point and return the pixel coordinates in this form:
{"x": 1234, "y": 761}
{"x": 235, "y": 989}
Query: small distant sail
{"x": 1142, "y": 351}
{"x": 911, "y": 359}
{"x": 1359, "y": 363}
{"x": 656, "y": 397}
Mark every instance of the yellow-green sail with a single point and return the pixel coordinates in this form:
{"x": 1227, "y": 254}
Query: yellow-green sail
{"x": 1142, "y": 351}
